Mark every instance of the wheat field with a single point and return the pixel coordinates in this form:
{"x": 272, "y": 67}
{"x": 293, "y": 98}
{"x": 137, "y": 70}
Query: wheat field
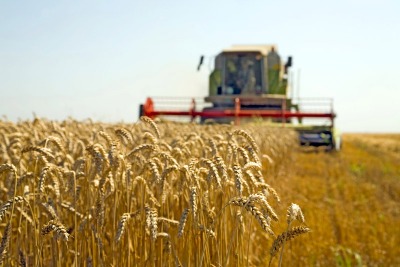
{"x": 156, "y": 193}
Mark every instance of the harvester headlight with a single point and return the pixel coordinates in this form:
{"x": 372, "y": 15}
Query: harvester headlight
{"x": 324, "y": 136}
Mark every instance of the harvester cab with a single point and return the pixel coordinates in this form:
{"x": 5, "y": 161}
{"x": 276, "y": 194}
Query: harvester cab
{"x": 252, "y": 74}
{"x": 249, "y": 70}
{"x": 251, "y": 82}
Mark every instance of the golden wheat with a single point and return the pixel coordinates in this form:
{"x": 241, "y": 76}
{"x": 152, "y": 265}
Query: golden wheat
{"x": 122, "y": 195}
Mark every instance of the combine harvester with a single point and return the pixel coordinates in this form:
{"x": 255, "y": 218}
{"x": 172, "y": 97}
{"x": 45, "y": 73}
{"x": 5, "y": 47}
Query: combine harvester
{"x": 250, "y": 82}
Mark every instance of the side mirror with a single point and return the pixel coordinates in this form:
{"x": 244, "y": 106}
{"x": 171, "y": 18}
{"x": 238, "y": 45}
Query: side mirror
{"x": 288, "y": 63}
{"x": 201, "y": 62}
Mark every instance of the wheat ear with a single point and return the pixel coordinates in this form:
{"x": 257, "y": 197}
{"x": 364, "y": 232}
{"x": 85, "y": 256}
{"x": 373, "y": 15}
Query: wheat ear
{"x": 41, "y": 150}
{"x": 293, "y": 213}
{"x": 60, "y": 229}
{"x": 21, "y": 259}
{"x": 182, "y": 222}
{"x": 286, "y": 236}
{"x": 5, "y": 240}
{"x": 152, "y": 124}
{"x": 245, "y": 203}
{"x": 9, "y": 204}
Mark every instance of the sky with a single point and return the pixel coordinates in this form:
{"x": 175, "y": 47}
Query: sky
{"x": 101, "y": 59}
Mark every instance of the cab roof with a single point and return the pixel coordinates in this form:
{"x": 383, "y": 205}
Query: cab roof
{"x": 263, "y": 49}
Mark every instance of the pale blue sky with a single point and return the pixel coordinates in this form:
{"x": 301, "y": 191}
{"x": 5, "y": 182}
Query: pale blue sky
{"x": 100, "y": 59}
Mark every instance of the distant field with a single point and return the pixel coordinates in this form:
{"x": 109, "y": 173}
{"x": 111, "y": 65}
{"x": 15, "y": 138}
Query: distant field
{"x": 384, "y": 142}
{"x": 169, "y": 194}
{"x": 351, "y": 201}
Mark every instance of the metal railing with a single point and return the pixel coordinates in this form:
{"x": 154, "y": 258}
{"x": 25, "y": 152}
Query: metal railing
{"x": 192, "y": 108}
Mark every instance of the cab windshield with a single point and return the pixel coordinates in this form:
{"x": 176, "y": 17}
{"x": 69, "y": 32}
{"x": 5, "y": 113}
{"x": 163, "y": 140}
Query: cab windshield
{"x": 242, "y": 74}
